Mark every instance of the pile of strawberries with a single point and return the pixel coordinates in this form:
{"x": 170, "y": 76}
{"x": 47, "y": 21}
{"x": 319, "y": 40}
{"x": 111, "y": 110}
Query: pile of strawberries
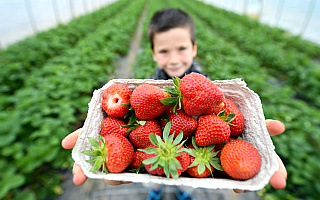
{"x": 190, "y": 128}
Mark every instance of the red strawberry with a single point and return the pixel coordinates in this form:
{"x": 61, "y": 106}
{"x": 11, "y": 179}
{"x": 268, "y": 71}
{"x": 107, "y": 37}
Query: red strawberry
{"x": 240, "y": 159}
{"x": 167, "y": 155}
{"x": 138, "y": 157}
{"x": 200, "y": 95}
{"x": 140, "y": 135}
{"x": 113, "y": 125}
{"x": 237, "y": 123}
{"x": 180, "y": 121}
{"x": 197, "y": 93}
{"x": 115, "y": 153}
{"x": 211, "y": 130}
{"x": 145, "y": 100}
{"x": 203, "y": 160}
{"x": 113, "y": 99}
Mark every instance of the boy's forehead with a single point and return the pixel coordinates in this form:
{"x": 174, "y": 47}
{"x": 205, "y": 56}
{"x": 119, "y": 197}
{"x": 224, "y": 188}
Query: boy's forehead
{"x": 181, "y": 31}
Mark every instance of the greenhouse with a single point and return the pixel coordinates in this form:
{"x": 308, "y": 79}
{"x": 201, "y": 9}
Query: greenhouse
{"x": 56, "y": 54}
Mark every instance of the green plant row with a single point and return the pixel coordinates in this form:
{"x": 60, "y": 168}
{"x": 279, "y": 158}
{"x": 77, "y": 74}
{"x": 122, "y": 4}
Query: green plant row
{"x": 50, "y": 105}
{"x": 221, "y": 58}
{"x": 21, "y": 58}
{"x": 287, "y": 40}
{"x": 290, "y": 66}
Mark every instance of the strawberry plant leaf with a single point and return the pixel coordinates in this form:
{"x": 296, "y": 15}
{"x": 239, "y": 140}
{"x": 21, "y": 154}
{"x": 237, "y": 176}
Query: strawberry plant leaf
{"x": 221, "y": 113}
{"x": 97, "y": 164}
{"x": 153, "y": 139}
{"x": 170, "y": 101}
{"x": 201, "y": 168}
{"x": 88, "y": 153}
{"x": 210, "y": 147}
{"x": 177, "y": 163}
{"x": 126, "y": 104}
{"x": 208, "y": 166}
{"x": 194, "y": 144}
{"x": 166, "y": 131}
{"x": 149, "y": 150}
{"x": 92, "y": 160}
{"x": 194, "y": 163}
{"x": 142, "y": 123}
{"x": 173, "y": 171}
{"x": 150, "y": 160}
{"x": 216, "y": 166}
{"x": 94, "y": 143}
{"x": 171, "y": 90}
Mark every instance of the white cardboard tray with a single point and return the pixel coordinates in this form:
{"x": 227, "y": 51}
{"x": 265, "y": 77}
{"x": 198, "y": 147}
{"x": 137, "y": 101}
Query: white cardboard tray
{"x": 255, "y": 132}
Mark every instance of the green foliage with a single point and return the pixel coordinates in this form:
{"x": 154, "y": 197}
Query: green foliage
{"x": 54, "y": 86}
{"x": 46, "y": 82}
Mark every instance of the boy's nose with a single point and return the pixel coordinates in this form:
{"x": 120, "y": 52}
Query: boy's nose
{"x": 174, "y": 58}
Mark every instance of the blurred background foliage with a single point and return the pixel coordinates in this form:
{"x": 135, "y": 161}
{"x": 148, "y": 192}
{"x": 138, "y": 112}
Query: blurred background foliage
{"x": 47, "y": 80}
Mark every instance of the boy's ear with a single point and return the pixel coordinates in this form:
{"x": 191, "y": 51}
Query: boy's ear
{"x": 153, "y": 56}
{"x": 194, "y": 49}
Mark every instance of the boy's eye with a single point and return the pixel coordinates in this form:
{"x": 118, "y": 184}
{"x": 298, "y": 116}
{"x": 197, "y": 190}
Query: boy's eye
{"x": 163, "y": 51}
{"x": 182, "y": 48}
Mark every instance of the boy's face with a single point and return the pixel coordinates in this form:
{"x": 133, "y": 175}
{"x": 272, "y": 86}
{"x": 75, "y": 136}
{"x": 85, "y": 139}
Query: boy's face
{"x": 173, "y": 51}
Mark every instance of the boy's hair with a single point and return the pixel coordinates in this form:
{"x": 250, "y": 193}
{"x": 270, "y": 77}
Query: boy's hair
{"x": 166, "y": 19}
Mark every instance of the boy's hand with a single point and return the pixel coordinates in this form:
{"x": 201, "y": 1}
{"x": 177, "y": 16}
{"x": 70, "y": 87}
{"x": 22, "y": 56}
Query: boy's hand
{"x": 279, "y": 178}
{"x": 79, "y": 178}
{"x": 277, "y": 181}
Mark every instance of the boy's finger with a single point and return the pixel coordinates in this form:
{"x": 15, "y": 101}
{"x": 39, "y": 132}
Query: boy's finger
{"x": 279, "y": 178}
{"x": 275, "y": 127}
{"x": 114, "y": 182}
{"x": 79, "y": 178}
{"x": 69, "y": 141}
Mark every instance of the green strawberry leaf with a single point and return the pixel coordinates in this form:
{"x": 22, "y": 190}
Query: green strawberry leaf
{"x": 94, "y": 143}
{"x": 149, "y": 150}
{"x": 216, "y": 166}
{"x": 97, "y": 164}
{"x": 153, "y": 139}
{"x": 166, "y": 131}
{"x": 171, "y": 90}
{"x": 201, "y": 168}
{"x": 126, "y": 104}
{"x": 142, "y": 123}
{"x": 92, "y": 160}
{"x": 150, "y": 160}
{"x": 170, "y": 101}
{"x": 88, "y": 153}
{"x": 208, "y": 166}
{"x": 173, "y": 171}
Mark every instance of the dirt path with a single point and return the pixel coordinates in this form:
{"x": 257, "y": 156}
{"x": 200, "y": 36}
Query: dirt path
{"x": 125, "y": 68}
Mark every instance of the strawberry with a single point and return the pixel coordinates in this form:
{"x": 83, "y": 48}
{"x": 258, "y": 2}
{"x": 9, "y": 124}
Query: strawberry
{"x": 138, "y": 157}
{"x": 113, "y": 125}
{"x": 114, "y": 153}
{"x": 180, "y": 121}
{"x": 145, "y": 100}
{"x": 197, "y": 94}
{"x": 166, "y": 156}
{"x": 211, "y": 130}
{"x": 237, "y": 124}
{"x": 113, "y": 99}
{"x": 240, "y": 159}
{"x": 203, "y": 160}
{"x": 140, "y": 135}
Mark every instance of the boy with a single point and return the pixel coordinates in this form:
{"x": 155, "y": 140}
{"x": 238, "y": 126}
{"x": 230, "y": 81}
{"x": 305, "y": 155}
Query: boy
{"x": 172, "y": 37}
